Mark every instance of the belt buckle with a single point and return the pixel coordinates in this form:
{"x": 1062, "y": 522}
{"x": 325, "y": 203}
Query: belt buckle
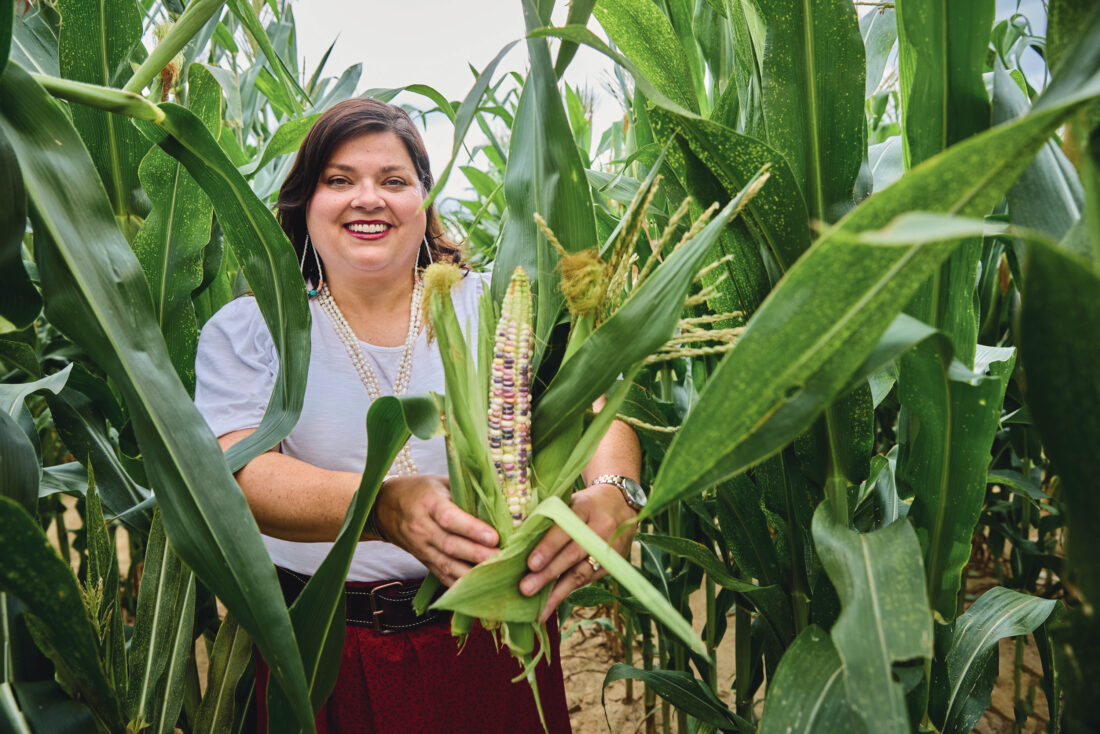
{"x": 375, "y": 612}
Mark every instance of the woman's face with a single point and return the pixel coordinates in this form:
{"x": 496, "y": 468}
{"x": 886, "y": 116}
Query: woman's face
{"x": 364, "y": 217}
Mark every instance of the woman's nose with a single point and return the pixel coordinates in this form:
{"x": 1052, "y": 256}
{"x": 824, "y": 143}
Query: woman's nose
{"x": 367, "y": 196}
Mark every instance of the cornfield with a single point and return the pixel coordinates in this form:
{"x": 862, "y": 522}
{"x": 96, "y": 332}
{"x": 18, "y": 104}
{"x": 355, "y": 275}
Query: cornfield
{"x": 874, "y": 367}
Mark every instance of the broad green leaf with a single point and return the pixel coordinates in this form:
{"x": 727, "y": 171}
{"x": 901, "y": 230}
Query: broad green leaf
{"x": 229, "y": 659}
{"x": 967, "y": 675}
{"x": 169, "y": 246}
{"x": 884, "y": 616}
{"x": 813, "y": 78}
{"x": 648, "y": 39}
{"x": 12, "y": 395}
{"x": 95, "y": 46}
{"x": 1048, "y": 196}
{"x": 879, "y": 29}
{"x": 19, "y": 479}
{"x": 1059, "y": 324}
{"x": 941, "y": 57}
{"x": 945, "y": 439}
{"x": 161, "y": 610}
{"x": 687, "y": 694}
{"x": 807, "y": 694}
{"x": 267, "y": 260}
{"x": 637, "y": 329}
{"x": 544, "y": 176}
{"x": 34, "y": 39}
{"x": 777, "y": 217}
{"x": 579, "y": 13}
{"x": 36, "y": 575}
{"x": 746, "y": 531}
{"x": 886, "y": 162}
{"x": 828, "y": 312}
{"x": 19, "y": 302}
{"x": 287, "y": 139}
{"x": 99, "y": 297}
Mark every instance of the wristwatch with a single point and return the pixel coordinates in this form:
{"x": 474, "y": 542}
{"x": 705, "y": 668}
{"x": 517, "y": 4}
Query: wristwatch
{"x": 632, "y": 491}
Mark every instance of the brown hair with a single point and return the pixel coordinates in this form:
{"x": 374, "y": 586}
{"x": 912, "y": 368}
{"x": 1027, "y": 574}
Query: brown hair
{"x": 343, "y": 121}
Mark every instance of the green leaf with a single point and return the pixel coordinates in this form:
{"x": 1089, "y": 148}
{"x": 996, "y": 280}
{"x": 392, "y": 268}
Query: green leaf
{"x": 287, "y": 139}
{"x": 95, "y": 46}
{"x": 945, "y": 438}
{"x": 746, "y": 531}
{"x": 813, "y": 78}
{"x": 884, "y": 616}
{"x": 806, "y": 694}
{"x": 828, "y": 312}
{"x": 34, "y": 40}
{"x": 680, "y": 689}
{"x": 101, "y": 583}
{"x": 169, "y": 246}
{"x": 267, "y": 260}
{"x": 1048, "y": 196}
{"x": 19, "y": 302}
{"x": 879, "y": 29}
{"x": 941, "y": 57}
{"x": 19, "y": 479}
{"x": 970, "y": 669}
{"x": 162, "y": 613}
{"x": 637, "y": 329}
{"x": 36, "y": 575}
{"x": 12, "y": 395}
{"x": 777, "y": 216}
{"x": 648, "y": 39}
{"x": 545, "y": 175}
{"x": 230, "y": 658}
{"x": 99, "y": 297}
{"x": 1061, "y": 303}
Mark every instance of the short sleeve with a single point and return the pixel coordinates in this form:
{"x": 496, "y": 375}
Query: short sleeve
{"x": 235, "y": 368}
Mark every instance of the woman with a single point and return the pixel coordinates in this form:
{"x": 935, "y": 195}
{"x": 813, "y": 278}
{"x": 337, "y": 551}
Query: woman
{"x": 351, "y": 206}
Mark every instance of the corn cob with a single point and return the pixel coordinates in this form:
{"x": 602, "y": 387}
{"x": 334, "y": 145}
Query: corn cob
{"x": 510, "y": 397}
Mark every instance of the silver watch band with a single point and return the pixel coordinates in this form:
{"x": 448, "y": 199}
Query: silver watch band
{"x": 631, "y": 490}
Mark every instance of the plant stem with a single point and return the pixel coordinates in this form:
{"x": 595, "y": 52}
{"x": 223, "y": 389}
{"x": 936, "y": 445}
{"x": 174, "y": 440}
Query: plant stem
{"x": 712, "y": 613}
{"x": 649, "y": 699}
{"x": 185, "y": 28}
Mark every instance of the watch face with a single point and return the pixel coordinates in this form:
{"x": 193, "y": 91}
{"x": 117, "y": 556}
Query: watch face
{"x": 634, "y": 491}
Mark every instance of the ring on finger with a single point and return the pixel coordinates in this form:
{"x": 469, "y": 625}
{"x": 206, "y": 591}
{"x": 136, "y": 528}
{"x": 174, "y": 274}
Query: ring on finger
{"x": 594, "y": 564}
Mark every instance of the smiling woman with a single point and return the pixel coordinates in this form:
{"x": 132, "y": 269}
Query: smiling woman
{"x": 351, "y": 206}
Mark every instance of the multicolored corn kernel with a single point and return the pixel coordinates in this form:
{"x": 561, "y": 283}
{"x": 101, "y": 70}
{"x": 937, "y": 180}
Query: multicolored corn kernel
{"x": 510, "y": 397}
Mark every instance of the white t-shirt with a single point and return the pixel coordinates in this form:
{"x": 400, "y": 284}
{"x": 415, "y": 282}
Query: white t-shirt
{"x": 235, "y": 373}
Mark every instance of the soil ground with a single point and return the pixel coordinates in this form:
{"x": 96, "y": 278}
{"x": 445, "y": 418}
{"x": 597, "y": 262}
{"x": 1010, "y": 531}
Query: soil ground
{"x": 590, "y": 649}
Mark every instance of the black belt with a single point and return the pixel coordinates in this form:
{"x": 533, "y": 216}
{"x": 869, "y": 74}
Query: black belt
{"x": 386, "y": 607}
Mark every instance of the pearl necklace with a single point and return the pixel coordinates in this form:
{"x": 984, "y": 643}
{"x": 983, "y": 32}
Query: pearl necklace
{"x": 404, "y": 462}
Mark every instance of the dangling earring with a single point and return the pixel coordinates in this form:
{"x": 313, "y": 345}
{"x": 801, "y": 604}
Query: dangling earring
{"x": 317, "y": 260}
{"x": 428, "y": 249}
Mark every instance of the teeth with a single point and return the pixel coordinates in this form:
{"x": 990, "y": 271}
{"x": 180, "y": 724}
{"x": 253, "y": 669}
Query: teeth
{"x": 368, "y": 228}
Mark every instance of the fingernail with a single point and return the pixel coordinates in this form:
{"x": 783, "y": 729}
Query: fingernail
{"x": 488, "y": 538}
{"x": 534, "y": 561}
{"x": 527, "y": 586}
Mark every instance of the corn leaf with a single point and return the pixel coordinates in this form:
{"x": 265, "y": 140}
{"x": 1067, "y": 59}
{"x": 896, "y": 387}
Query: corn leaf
{"x": 288, "y": 84}
{"x": 94, "y": 47}
{"x": 19, "y": 480}
{"x": 161, "y": 611}
{"x": 830, "y": 309}
{"x": 813, "y": 74}
{"x": 962, "y": 683}
{"x": 20, "y": 302}
{"x": 100, "y": 299}
{"x": 682, "y": 691}
{"x": 36, "y": 575}
{"x": 230, "y": 658}
{"x": 884, "y": 616}
{"x": 807, "y": 693}
{"x": 169, "y": 246}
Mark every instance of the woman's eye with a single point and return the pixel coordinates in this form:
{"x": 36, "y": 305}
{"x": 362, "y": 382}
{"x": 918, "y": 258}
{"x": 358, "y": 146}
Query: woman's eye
{"x": 395, "y": 182}
{"x": 337, "y": 181}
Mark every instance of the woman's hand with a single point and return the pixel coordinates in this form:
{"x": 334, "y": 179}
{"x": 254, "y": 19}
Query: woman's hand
{"x": 417, "y": 514}
{"x": 556, "y": 556}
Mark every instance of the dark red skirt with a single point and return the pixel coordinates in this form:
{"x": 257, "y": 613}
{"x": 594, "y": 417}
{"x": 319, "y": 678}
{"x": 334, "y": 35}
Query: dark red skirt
{"x": 418, "y": 681}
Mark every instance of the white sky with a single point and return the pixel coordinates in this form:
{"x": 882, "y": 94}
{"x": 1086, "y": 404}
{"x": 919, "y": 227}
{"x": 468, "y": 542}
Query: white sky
{"x": 433, "y": 42}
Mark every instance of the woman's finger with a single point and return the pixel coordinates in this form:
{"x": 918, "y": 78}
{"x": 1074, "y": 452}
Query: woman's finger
{"x": 564, "y": 561}
{"x": 580, "y": 574}
{"x": 452, "y": 519}
{"x": 547, "y": 548}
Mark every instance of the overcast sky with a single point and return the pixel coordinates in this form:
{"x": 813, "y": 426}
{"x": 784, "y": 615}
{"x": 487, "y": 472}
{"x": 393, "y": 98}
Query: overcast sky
{"x": 433, "y": 42}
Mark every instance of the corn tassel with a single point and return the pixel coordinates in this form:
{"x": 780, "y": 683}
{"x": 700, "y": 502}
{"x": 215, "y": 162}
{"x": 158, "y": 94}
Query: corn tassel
{"x": 510, "y": 397}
